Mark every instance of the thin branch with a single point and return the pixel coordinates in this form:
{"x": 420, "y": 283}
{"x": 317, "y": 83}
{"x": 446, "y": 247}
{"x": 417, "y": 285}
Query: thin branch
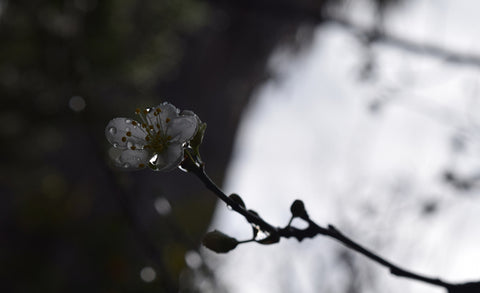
{"x": 249, "y": 216}
{"x": 311, "y": 231}
{"x": 394, "y": 269}
{"x": 378, "y": 36}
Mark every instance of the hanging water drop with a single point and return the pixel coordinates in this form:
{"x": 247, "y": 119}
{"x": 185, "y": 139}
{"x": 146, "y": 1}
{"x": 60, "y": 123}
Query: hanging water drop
{"x": 181, "y": 168}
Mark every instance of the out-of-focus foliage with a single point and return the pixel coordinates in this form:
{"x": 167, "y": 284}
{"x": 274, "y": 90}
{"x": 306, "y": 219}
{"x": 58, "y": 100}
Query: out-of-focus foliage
{"x": 65, "y": 68}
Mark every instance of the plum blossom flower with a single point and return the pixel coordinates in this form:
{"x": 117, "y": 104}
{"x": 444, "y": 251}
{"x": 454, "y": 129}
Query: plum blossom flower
{"x": 157, "y": 140}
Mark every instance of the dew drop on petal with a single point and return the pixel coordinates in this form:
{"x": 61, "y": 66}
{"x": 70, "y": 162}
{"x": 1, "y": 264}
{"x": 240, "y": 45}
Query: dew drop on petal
{"x": 128, "y": 121}
{"x": 162, "y": 206}
{"x": 112, "y": 130}
{"x": 153, "y": 160}
{"x": 126, "y": 165}
{"x": 183, "y": 169}
{"x": 115, "y": 144}
{"x": 129, "y": 144}
{"x": 127, "y": 129}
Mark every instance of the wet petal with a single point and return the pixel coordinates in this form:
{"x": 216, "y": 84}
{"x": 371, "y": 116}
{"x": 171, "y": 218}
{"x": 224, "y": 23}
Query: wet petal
{"x": 168, "y": 111}
{"x": 183, "y": 128}
{"x": 125, "y": 133}
{"x": 129, "y": 159}
{"x": 170, "y": 158}
{"x": 161, "y": 115}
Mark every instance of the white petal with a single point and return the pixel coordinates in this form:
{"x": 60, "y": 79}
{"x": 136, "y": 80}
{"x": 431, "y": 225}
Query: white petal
{"x": 124, "y": 133}
{"x": 160, "y": 119}
{"x": 183, "y": 128}
{"x": 168, "y": 111}
{"x": 170, "y": 158}
{"x": 129, "y": 159}
{"x": 191, "y": 113}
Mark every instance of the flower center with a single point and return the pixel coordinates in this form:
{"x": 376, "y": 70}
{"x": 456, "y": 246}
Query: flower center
{"x": 155, "y": 129}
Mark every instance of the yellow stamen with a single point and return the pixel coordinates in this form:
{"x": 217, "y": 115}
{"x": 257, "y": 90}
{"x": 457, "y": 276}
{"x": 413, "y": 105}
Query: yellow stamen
{"x": 124, "y": 139}
{"x": 129, "y": 133}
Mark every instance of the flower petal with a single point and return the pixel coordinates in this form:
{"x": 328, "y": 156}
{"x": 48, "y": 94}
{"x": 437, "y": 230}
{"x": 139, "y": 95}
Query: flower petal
{"x": 168, "y": 111}
{"x": 183, "y": 128}
{"x": 129, "y": 159}
{"x": 125, "y": 133}
{"x": 170, "y": 158}
{"x": 159, "y": 119}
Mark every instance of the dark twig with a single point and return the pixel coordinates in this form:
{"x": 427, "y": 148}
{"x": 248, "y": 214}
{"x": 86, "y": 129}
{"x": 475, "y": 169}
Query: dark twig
{"x": 378, "y": 36}
{"x": 311, "y": 231}
{"x": 249, "y": 216}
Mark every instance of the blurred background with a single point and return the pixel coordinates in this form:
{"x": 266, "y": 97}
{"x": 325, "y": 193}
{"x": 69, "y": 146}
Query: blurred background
{"x": 370, "y": 109}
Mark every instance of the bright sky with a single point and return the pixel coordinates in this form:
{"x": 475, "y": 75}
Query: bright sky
{"x": 310, "y": 135}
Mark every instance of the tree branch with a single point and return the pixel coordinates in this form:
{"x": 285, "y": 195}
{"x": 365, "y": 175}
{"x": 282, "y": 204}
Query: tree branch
{"x": 313, "y": 229}
{"x": 378, "y": 36}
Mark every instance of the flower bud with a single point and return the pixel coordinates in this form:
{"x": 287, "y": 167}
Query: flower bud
{"x": 219, "y": 242}
{"x": 236, "y": 198}
{"x": 298, "y": 210}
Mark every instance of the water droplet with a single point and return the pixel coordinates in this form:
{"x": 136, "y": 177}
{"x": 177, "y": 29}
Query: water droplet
{"x": 127, "y": 129}
{"x": 126, "y": 165}
{"x": 183, "y": 169}
{"x": 115, "y": 144}
{"x": 128, "y": 121}
{"x": 129, "y": 144}
{"x": 162, "y": 206}
{"x": 229, "y": 207}
{"x": 112, "y": 130}
{"x": 153, "y": 160}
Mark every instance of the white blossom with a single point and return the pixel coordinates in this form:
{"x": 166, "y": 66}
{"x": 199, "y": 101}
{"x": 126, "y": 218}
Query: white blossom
{"x": 157, "y": 140}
